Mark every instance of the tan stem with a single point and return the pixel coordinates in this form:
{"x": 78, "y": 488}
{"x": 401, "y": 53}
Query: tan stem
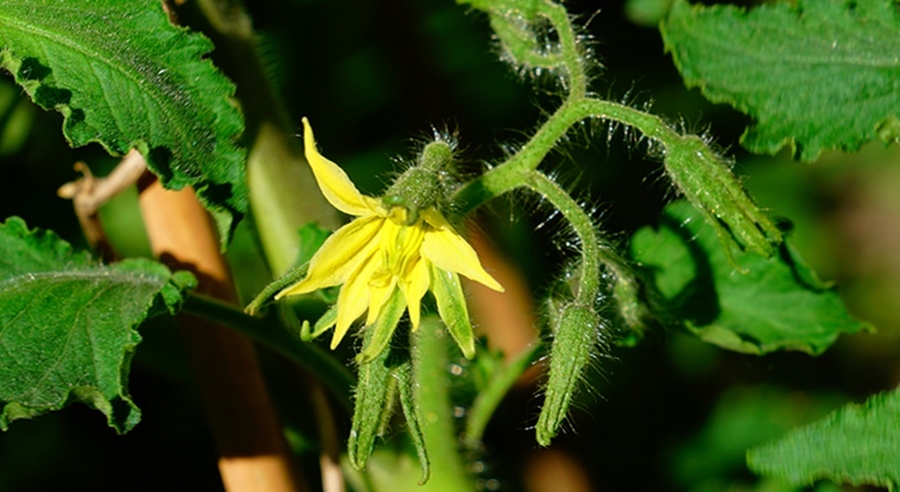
{"x": 253, "y": 454}
{"x": 330, "y": 459}
{"x": 89, "y": 193}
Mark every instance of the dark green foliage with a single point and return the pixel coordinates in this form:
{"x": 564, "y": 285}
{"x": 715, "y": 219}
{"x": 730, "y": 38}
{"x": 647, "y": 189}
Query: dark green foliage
{"x": 67, "y": 325}
{"x": 123, "y": 76}
{"x": 777, "y": 303}
{"x": 858, "y": 444}
{"x": 814, "y": 74}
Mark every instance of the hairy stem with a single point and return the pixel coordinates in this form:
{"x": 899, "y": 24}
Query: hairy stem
{"x": 572, "y": 57}
{"x": 514, "y": 172}
{"x": 591, "y": 258}
{"x": 432, "y": 385}
{"x": 318, "y": 362}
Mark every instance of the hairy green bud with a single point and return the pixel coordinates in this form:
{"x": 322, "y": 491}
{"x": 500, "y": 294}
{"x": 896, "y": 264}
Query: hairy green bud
{"x": 576, "y": 329}
{"x": 421, "y": 186}
{"x": 710, "y": 186}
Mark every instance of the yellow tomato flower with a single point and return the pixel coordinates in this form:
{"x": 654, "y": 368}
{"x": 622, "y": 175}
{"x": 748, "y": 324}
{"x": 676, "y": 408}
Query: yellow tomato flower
{"x": 378, "y": 253}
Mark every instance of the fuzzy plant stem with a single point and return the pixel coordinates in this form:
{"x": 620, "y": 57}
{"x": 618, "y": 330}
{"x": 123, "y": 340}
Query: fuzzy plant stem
{"x": 515, "y": 172}
{"x": 334, "y": 375}
{"x": 432, "y": 385}
{"x": 589, "y": 283}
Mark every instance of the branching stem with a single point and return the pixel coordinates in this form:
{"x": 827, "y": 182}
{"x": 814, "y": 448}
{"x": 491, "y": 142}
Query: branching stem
{"x": 515, "y": 172}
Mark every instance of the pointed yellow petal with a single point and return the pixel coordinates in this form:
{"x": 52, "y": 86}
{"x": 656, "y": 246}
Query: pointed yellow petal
{"x": 339, "y": 256}
{"x": 380, "y": 292}
{"x": 450, "y": 252}
{"x": 333, "y": 181}
{"x": 353, "y": 299}
{"x": 415, "y": 284}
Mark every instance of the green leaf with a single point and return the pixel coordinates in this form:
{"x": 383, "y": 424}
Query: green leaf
{"x": 859, "y": 444}
{"x": 67, "y": 325}
{"x": 779, "y": 303}
{"x": 312, "y": 237}
{"x": 743, "y": 416}
{"x": 814, "y": 74}
{"x": 125, "y": 77}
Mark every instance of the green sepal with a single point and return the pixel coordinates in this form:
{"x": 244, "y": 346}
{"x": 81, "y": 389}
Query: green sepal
{"x": 384, "y": 327}
{"x": 403, "y": 375}
{"x": 311, "y": 239}
{"x": 451, "y": 303}
{"x": 371, "y": 398}
{"x": 293, "y": 276}
{"x": 575, "y": 337}
{"x": 322, "y": 325}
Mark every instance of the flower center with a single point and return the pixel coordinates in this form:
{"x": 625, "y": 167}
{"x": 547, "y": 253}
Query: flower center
{"x": 399, "y": 249}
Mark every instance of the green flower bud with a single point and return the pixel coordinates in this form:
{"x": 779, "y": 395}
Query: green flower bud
{"x": 422, "y": 186}
{"x": 710, "y": 186}
{"x": 576, "y": 329}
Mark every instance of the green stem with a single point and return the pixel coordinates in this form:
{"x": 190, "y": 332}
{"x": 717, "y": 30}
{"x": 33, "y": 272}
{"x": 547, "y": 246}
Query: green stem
{"x": 572, "y": 57}
{"x": 591, "y": 259}
{"x": 315, "y": 360}
{"x": 490, "y": 397}
{"x": 515, "y": 172}
{"x": 430, "y": 363}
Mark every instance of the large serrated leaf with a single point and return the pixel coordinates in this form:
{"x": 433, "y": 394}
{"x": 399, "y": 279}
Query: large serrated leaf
{"x": 814, "y": 74}
{"x": 859, "y": 444}
{"x": 778, "y": 303}
{"x": 67, "y": 325}
{"x": 125, "y": 77}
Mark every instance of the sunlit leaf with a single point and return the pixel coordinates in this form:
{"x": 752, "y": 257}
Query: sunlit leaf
{"x": 814, "y": 74}
{"x": 67, "y": 325}
{"x": 122, "y": 75}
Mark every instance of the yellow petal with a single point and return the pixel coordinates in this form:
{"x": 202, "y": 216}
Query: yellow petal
{"x": 450, "y": 252}
{"x": 353, "y": 299}
{"x": 415, "y": 284}
{"x": 333, "y": 181}
{"x": 339, "y": 256}
{"x": 380, "y": 292}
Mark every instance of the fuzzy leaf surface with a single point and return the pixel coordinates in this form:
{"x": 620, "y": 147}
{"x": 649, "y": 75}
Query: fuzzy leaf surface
{"x": 778, "y": 304}
{"x": 123, "y": 76}
{"x": 67, "y": 325}
{"x": 858, "y": 444}
{"x": 814, "y": 74}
